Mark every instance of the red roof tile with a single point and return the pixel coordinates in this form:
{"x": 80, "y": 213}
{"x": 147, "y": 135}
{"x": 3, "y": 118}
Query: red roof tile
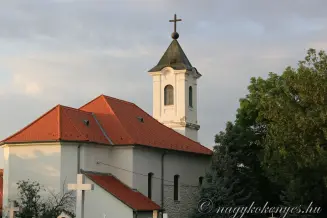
{"x": 61, "y": 124}
{"x": 118, "y": 122}
{"x": 1, "y": 188}
{"x": 131, "y": 198}
{"x": 129, "y": 130}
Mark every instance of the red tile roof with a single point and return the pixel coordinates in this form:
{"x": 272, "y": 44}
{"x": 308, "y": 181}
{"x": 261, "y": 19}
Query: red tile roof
{"x": 1, "y": 189}
{"x": 110, "y": 121}
{"x": 61, "y": 124}
{"x": 131, "y": 198}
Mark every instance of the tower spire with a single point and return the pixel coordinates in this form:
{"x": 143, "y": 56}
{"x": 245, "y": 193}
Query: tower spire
{"x": 175, "y": 34}
{"x": 175, "y": 89}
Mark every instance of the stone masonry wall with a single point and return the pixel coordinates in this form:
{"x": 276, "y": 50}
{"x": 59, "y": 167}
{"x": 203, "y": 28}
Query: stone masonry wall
{"x": 183, "y": 208}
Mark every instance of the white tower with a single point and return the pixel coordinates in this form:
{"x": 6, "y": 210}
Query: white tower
{"x": 175, "y": 90}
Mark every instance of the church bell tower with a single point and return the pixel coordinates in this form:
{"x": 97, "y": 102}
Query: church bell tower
{"x": 175, "y": 90}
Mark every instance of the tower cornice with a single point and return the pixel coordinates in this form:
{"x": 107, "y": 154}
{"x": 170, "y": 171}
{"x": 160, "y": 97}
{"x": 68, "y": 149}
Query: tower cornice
{"x": 172, "y": 124}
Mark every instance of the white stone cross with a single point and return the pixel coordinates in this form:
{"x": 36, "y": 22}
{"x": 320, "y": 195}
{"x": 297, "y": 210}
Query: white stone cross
{"x": 12, "y": 211}
{"x": 64, "y": 215}
{"x": 80, "y": 189}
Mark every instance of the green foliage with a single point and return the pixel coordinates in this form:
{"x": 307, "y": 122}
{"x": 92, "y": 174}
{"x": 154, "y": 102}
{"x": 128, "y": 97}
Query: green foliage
{"x": 295, "y": 106}
{"x": 33, "y": 205}
{"x": 280, "y": 137}
{"x": 233, "y": 177}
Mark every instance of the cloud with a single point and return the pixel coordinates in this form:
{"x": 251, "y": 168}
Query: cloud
{"x": 70, "y": 51}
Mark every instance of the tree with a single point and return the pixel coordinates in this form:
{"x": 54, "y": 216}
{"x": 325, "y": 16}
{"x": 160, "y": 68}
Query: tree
{"x": 33, "y": 205}
{"x": 294, "y": 108}
{"x": 279, "y": 138}
{"x": 233, "y": 179}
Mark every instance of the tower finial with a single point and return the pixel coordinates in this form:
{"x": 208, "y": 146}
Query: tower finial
{"x": 175, "y": 34}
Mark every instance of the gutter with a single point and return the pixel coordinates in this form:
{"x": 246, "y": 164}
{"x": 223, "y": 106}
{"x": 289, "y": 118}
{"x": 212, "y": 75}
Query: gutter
{"x": 162, "y": 179}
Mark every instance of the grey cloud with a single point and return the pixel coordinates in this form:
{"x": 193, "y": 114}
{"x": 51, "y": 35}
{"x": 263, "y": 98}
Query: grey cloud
{"x": 77, "y": 50}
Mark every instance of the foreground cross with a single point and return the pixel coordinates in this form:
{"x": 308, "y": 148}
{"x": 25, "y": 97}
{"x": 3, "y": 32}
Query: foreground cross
{"x": 80, "y": 189}
{"x": 64, "y": 215}
{"x": 12, "y": 211}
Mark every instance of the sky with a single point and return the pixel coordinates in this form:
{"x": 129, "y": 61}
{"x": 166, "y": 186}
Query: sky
{"x": 70, "y": 51}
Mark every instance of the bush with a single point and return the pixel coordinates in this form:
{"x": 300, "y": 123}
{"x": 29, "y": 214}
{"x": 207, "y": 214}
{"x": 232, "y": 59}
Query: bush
{"x": 33, "y": 205}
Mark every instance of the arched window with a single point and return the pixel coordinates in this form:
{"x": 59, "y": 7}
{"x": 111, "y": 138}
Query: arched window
{"x": 176, "y": 187}
{"x": 190, "y": 96}
{"x": 150, "y": 175}
{"x": 200, "y": 180}
{"x": 169, "y": 95}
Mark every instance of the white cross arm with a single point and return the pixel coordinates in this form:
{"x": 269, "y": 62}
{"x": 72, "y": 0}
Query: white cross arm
{"x": 84, "y": 187}
{"x": 15, "y": 209}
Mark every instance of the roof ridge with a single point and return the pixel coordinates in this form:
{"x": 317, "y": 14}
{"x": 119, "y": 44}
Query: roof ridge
{"x": 183, "y": 54}
{"x": 76, "y": 109}
{"x": 90, "y": 102}
{"x": 117, "y": 99}
{"x": 46, "y": 113}
{"x": 122, "y": 126}
{"x": 106, "y": 96}
{"x": 101, "y": 128}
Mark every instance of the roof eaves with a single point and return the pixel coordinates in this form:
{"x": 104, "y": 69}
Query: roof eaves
{"x": 27, "y": 142}
{"x": 175, "y": 150}
{"x": 160, "y": 210}
{"x": 49, "y": 141}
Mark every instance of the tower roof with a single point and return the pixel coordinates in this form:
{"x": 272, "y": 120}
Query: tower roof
{"x": 174, "y": 57}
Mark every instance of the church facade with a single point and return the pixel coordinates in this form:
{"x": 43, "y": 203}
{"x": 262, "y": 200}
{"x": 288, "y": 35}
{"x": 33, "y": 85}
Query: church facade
{"x": 139, "y": 165}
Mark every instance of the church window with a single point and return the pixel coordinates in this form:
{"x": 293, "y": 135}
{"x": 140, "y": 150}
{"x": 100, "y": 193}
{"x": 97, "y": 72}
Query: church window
{"x": 169, "y": 95}
{"x": 176, "y": 187}
{"x": 200, "y": 180}
{"x": 190, "y": 96}
{"x": 150, "y": 175}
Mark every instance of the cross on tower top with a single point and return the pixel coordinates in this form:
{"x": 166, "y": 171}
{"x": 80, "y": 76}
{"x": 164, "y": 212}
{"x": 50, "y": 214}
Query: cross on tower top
{"x": 175, "y": 35}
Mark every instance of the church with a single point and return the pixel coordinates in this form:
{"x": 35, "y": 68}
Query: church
{"x": 139, "y": 165}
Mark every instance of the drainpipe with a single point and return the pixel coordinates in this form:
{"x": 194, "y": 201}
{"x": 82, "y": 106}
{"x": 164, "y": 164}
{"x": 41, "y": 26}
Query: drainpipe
{"x": 162, "y": 179}
{"x": 79, "y": 158}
